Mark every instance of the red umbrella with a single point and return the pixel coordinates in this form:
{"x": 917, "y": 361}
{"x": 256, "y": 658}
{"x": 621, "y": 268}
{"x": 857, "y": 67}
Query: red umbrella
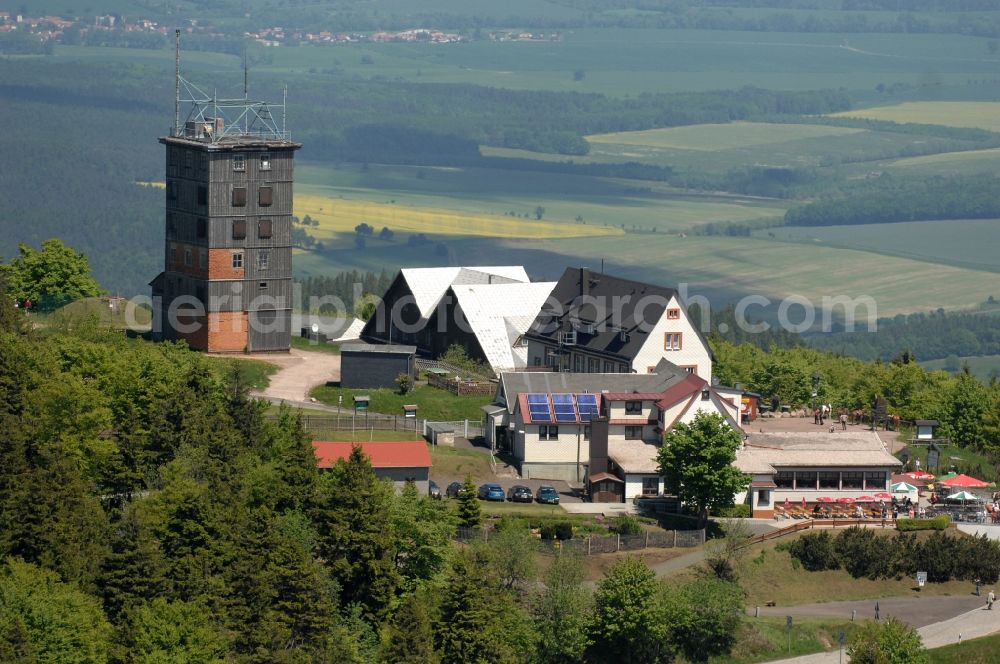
{"x": 964, "y": 482}
{"x": 865, "y": 499}
{"x": 824, "y": 499}
{"x": 883, "y": 495}
{"x": 918, "y": 475}
{"x": 787, "y": 503}
{"x": 845, "y": 499}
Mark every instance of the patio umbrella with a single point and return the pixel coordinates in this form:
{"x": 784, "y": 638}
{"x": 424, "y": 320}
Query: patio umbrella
{"x": 963, "y": 496}
{"x": 946, "y": 476}
{"x": 824, "y": 499}
{"x": 787, "y": 503}
{"x": 902, "y": 487}
{"x": 919, "y": 475}
{"x": 847, "y": 500}
{"x": 964, "y": 482}
{"x": 864, "y": 499}
{"x": 803, "y": 502}
{"x": 882, "y": 495}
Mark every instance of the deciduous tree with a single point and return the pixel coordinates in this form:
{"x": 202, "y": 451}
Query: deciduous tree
{"x": 52, "y": 276}
{"x": 630, "y": 621}
{"x": 562, "y": 611}
{"x": 890, "y": 642}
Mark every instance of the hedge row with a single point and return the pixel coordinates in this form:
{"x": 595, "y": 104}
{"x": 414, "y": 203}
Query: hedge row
{"x": 864, "y": 554}
{"x": 937, "y": 523}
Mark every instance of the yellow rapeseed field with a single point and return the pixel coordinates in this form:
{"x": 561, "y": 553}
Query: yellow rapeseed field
{"x": 978, "y": 114}
{"x": 339, "y": 215}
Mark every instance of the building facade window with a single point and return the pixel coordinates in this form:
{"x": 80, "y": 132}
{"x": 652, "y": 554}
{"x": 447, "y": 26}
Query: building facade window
{"x": 171, "y": 190}
{"x": 609, "y": 366}
{"x": 239, "y": 196}
{"x": 263, "y": 259}
{"x": 875, "y": 479}
{"x": 187, "y": 258}
{"x": 238, "y": 260}
{"x": 829, "y": 480}
{"x": 633, "y": 408}
{"x": 579, "y": 364}
{"x": 201, "y": 228}
{"x": 673, "y": 314}
{"x": 203, "y": 259}
{"x": 239, "y": 229}
{"x": 672, "y": 341}
{"x": 852, "y": 480}
{"x": 784, "y": 479}
{"x": 548, "y": 432}
{"x": 264, "y": 229}
{"x": 265, "y": 196}
{"x": 650, "y": 486}
{"x": 763, "y": 498}
{"x": 202, "y": 195}
{"x": 595, "y": 366}
{"x": 239, "y": 162}
{"x": 633, "y": 433}
{"x": 262, "y": 285}
{"x": 265, "y": 161}
{"x": 805, "y": 479}
{"x": 586, "y": 432}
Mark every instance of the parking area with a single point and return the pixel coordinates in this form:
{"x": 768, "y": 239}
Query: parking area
{"x": 566, "y": 494}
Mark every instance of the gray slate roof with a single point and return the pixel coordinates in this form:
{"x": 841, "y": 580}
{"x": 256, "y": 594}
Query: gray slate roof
{"x": 378, "y": 348}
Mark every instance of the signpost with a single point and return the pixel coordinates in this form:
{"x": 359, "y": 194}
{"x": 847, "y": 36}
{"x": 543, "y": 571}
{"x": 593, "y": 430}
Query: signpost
{"x": 788, "y": 623}
{"x": 921, "y": 579}
{"x": 841, "y": 638}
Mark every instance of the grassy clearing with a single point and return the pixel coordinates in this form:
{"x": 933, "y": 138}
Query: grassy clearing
{"x": 984, "y": 367}
{"x": 451, "y": 464}
{"x": 969, "y": 243}
{"x": 302, "y": 343}
{"x": 256, "y": 374}
{"x": 362, "y": 435}
{"x": 765, "y": 639}
{"x": 975, "y": 651}
{"x": 119, "y": 317}
{"x": 337, "y": 215}
{"x": 954, "y": 457}
{"x": 769, "y": 575}
{"x": 432, "y": 403}
{"x": 978, "y": 114}
{"x": 719, "y": 136}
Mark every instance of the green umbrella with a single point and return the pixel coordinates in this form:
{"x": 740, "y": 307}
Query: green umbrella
{"x": 902, "y": 487}
{"x": 946, "y": 476}
{"x": 963, "y": 496}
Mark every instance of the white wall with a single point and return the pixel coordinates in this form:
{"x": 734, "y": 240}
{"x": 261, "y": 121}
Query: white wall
{"x": 692, "y": 353}
{"x": 528, "y": 448}
{"x": 633, "y": 486}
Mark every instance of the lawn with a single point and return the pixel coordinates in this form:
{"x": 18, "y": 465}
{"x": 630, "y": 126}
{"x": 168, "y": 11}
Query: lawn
{"x": 719, "y": 136}
{"x": 768, "y": 575}
{"x": 766, "y": 639}
{"x": 451, "y": 464}
{"x": 978, "y": 114}
{"x": 984, "y": 367}
{"x": 121, "y": 316}
{"x": 303, "y": 343}
{"x": 964, "y": 459}
{"x": 969, "y": 243}
{"x": 975, "y": 651}
{"x": 432, "y": 403}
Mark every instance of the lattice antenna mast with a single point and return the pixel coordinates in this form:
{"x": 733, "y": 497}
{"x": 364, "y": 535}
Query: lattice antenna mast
{"x": 177, "y": 82}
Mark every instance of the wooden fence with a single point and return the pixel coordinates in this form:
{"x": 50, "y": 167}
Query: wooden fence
{"x": 595, "y": 544}
{"x": 460, "y": 387}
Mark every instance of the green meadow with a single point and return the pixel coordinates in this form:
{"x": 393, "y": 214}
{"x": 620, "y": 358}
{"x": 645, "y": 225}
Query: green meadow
{"x": 985, "y": 367}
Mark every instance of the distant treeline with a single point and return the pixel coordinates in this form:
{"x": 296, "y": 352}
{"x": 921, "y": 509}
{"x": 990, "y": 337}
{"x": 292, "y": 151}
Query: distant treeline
{"x": 886, "y": 199}
{"x": 348, "y": 287}
{"x": 928, "y": 336}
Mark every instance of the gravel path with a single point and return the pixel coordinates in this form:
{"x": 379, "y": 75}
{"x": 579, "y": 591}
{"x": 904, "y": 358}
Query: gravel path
{"x": 300, "y": 371}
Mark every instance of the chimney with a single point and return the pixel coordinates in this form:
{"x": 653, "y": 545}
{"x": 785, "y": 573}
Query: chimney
{"x": 598, "y": 445}
{"x": 584, "y": 282}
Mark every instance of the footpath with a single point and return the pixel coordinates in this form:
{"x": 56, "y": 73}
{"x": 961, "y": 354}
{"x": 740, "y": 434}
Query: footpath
{"x": 970, "y": 624}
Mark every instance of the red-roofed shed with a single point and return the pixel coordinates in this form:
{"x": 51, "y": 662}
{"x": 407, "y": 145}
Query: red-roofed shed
{"x": 398, "y": 461}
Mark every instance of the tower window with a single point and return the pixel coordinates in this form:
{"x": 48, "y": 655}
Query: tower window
{"x": 187, "y": 257}
{"x": 239, "y": 196}
{"x": 262, "y": 285}
{"x": 239, "y": 162}
{"x": 264, "y": 229}
{"x": 203, "y": 259}
{"x": 263, "y": 259}
{"x": 238, "y": 260}
{"x": 188, "y": 159}
{"x": 201, "y": 227}
{"x": 265, "y": 162}
{"x": 202, "y": 195}
{"x": 265, "y": 196}
{"x": 171, "y": 190}
{"x": 239, "y": 229}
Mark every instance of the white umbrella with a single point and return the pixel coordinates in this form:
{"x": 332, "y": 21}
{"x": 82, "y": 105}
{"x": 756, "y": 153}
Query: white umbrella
{"x": 902, "y": 487}
{"x": 963, "y": 496}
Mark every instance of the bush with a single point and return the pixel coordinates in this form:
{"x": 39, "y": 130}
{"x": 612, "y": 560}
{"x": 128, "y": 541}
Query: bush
{"x": 733, "y": 512}
{"x": 864, "y": 553}
{"x": 560, "y": 530}
{"x": 937, "y": 523}
{"x": 515, "y": 523}
{"x": 626, "y": 524}
{"x": 405, "y": 383}
{"x": 816, "y": 552}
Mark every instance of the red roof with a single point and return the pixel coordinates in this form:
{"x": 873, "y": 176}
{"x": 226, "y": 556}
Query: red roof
{"x": 383, "y": 454}
{"x": 637, "y": 421}
{"x": 682, "y": 390}
{"x": 964, "y": 481}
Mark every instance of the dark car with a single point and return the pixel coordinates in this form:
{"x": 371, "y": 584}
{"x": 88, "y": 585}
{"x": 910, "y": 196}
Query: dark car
{"x": 548, "y": 495}
{"x": 453, "y": 490}
{"x": 433, "y": 490}
{"x": 492, "y": 492}
{"x": 519, "y": 494}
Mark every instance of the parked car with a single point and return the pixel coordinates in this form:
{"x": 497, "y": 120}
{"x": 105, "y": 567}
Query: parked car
{"x": 519, "y": 494}
{"x": 547, "y": 494}
{"x": 433, "y": 490}
{"x": 492, "y": 492}
{"x": 453, "y": 490}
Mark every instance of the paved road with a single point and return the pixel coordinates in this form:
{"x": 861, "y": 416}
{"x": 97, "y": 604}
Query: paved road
{"x": 916, "y": 611}
{"x": 969, "y": 624}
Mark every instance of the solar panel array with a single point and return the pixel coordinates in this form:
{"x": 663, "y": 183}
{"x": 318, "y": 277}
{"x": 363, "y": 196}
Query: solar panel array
{"x": 562, "y": 407}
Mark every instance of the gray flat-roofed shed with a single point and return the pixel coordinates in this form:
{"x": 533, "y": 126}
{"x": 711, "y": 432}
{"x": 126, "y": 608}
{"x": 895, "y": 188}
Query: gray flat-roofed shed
{"x": 375, "y": 365}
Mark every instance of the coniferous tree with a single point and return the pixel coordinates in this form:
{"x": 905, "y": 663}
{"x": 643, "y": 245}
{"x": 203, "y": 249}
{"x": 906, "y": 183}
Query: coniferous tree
{"x": 409, "y": 635}
{"x": 354, "y": 521}
{"x": 469, "y": 513}
{"x": 562, "y": 612}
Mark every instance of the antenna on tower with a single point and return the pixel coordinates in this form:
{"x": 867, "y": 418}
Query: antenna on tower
{"x": 246, "y": 87}
{"x": 177, "y": 81}
{"x": 284, "y": 107}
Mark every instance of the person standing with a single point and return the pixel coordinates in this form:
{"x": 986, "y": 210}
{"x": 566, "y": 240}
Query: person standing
{"x": 843, "y": 420}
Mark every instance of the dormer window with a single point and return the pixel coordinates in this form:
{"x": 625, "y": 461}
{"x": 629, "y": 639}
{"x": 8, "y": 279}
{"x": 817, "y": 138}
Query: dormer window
{"x": 568, "y": 338}
{"x": 633, "y": 408}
